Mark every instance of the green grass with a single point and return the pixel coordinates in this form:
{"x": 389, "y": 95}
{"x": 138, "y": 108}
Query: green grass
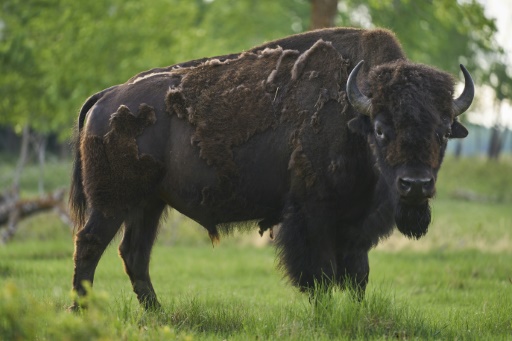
{"x": 456, "y": 283}
{"x": 234, "y": 292}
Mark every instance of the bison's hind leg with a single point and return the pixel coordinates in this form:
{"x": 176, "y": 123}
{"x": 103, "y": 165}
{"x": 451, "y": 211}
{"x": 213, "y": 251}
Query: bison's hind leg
{"x": 141, "y": 228}
{"x": 90, "y": 243}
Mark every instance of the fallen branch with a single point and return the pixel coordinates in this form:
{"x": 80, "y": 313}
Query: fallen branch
{"x": 13, "y": 209}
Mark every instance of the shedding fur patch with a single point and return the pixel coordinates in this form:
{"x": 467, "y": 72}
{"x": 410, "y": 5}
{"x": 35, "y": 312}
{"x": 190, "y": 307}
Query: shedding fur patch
{"x": 231, "y": 101}
{"x": 115, "y": 176}
{"x": 320, "y": 68}
{"x": 149, "y": 75}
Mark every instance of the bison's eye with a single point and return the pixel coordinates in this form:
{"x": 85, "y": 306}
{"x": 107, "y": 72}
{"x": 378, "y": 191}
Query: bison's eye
{"x": 445, "y": 135}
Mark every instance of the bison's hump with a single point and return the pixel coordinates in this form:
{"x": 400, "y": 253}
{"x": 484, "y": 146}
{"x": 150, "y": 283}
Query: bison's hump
{"x": 230, "y": 101}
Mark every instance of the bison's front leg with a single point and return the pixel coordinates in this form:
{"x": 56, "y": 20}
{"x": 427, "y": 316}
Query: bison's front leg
{"x": 354, "y": 270}
{"x": 305, "y": 247}
{"x": 90, "y": 243}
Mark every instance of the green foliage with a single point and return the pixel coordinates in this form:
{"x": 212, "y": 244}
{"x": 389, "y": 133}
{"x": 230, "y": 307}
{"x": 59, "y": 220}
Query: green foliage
{"x": 21, "y": 72}
{"x": 55, "y": 53}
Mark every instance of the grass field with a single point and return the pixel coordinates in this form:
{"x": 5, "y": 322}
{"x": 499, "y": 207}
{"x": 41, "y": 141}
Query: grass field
{"x": 456, "y": 283}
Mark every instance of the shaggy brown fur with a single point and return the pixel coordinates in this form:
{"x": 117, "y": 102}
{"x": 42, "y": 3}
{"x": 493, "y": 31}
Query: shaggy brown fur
{"x": 294, "y": 91}
{"x": 117, "y": 177}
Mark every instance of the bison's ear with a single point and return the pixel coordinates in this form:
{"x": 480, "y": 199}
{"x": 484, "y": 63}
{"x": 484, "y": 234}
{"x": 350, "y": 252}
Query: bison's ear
{"x": 360, "y": 125}
{"x": 458, "y": 130}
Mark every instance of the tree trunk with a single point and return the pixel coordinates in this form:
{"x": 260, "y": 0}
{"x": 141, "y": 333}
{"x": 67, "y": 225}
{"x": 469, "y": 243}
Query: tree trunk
{"x": 458, "y": 149}
{"x": 23, "y": 156}
{"x": 496, "y": 141}
{"x": 478, "y": 140}
{"x": 510, "y": 144}
{"x": 41, "y": 142}
{"x": 504, "y": 136}
{"x": 494, "y": 144}
{"x": 323, "y": 13}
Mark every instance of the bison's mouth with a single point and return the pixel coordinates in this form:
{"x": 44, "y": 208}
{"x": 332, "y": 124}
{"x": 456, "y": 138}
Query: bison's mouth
{"x": 412, "y": 220}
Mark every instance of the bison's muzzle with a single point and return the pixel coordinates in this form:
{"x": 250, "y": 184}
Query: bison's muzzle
{"x": 415, "y": 189}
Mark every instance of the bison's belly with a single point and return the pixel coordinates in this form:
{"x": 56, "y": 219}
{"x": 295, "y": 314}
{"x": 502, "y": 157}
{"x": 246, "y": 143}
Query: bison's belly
{"x": 221, "y": 184}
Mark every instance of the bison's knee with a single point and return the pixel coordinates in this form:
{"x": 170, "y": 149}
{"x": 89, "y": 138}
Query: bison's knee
{"x": 87, "y": 247}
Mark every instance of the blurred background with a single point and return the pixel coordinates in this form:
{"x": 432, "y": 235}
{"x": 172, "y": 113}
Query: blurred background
{"x": 56, "y": 53}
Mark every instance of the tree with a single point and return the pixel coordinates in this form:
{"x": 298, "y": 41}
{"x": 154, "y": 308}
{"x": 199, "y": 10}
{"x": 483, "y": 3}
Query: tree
{"x": 323, "y": 13}
{"x": 501, "y": 81}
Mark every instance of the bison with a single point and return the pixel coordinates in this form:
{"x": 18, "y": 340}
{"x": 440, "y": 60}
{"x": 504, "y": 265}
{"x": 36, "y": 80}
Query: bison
{"x": 298, "y": 132}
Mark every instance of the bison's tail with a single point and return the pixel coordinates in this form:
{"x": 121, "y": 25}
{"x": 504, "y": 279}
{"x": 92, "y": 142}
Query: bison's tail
{"x": 77, "y": 198}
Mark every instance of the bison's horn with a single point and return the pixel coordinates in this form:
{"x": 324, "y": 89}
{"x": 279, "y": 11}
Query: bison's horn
{"x": 462, "y": 103}
{"x": 359, "y": 101}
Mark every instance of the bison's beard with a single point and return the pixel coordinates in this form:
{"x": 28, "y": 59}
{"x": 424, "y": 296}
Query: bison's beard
{"x": 413, "y": 220}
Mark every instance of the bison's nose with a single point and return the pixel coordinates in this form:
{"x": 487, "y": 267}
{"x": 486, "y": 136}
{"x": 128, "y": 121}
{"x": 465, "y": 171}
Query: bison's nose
{"x": 416, "y": 188}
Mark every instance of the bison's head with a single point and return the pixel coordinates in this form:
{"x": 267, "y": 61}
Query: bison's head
{"x": 408, "y": 115}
